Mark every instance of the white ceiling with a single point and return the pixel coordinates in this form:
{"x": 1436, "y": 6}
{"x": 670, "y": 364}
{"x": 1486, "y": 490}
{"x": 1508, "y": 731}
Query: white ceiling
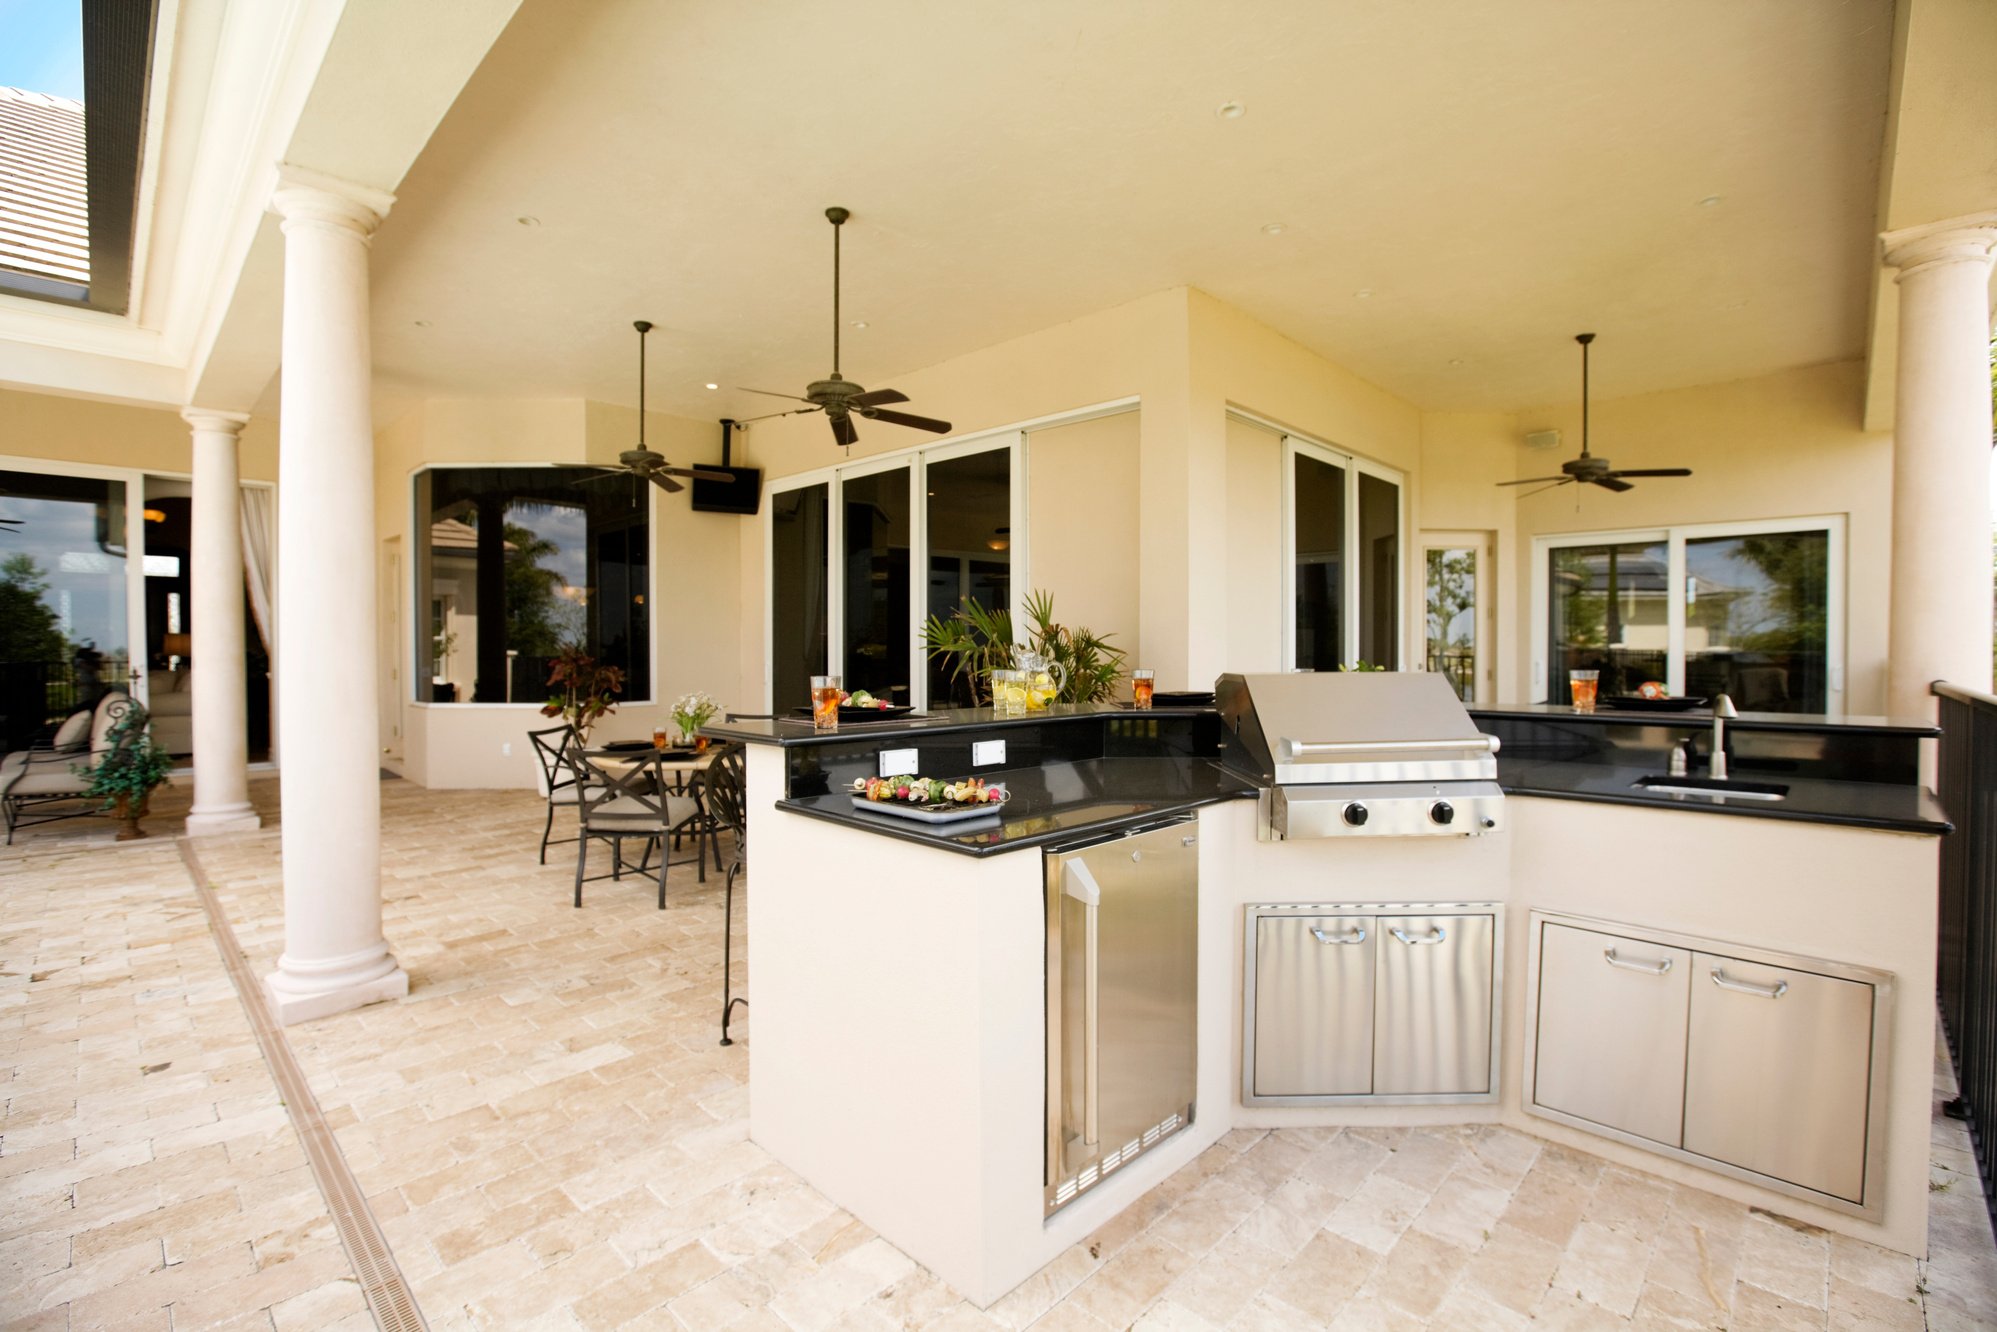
{"x": 1497, "y": 176}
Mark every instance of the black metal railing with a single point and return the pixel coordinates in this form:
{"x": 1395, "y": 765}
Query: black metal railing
{"x": 1966, "y": 950}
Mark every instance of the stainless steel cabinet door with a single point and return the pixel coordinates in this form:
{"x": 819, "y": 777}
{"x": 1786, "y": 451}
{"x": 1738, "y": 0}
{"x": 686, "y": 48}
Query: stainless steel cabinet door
{"x": 1610, "y": 1044}
{"x": 1432, "y": 1005}
{"x": 1780, "y": 1072}
{"x": 1314, "y": 1005}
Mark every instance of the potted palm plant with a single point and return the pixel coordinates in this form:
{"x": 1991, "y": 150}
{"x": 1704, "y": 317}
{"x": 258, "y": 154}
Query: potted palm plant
{"x": 127, "y": 773}
{"x": 973, "y": 642}
{"x": 585, "y": 690}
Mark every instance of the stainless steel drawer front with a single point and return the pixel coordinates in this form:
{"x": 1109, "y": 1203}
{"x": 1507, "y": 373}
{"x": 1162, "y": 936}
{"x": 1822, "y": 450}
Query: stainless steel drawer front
{"x": 1779, "y": 1066}
{"x": 1314, "y": 1005}
{"x": 1610, "y": 1047}
{"x": 1432, "y": 1009}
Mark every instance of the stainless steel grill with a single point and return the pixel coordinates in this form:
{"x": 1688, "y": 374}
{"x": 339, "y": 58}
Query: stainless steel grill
{"x": 1360, "y": 754}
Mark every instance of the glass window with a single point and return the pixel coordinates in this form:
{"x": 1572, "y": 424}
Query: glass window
{"x": 521, "y": 561}
{"x": 1320, "y": 564}
{"x": 798, "y": 605}
{"x": 63, "y": 635}
{"x": 1379, "y": 571}
{"x": 1610, "y": 614}
{"x": 970, "y": 548}
{"x": 877, "y": 541}
{"x": 1450, "y": 603}
{"x": 1757, "y": 612}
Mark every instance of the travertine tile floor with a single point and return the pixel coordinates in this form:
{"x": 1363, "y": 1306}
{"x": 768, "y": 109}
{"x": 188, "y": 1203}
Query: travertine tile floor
{"x": 551, "y": 1138}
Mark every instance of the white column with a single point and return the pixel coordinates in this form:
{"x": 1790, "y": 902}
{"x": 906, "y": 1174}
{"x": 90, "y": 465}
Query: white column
{"x": 1940, "y": 619}
{"x": 221, "y": 722}
{"x": 334, "y": 955}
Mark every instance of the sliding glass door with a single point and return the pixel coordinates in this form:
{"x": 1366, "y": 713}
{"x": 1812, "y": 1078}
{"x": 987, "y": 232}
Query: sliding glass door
{"x": 846, "y": 548}
{"x": 1345, "y": 562}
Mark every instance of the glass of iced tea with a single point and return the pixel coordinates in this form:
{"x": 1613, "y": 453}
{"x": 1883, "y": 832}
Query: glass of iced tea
{"x": 824, "y": 702}
{"x": 1581, "y": 684}
{"x": 659, "y": 737}
{"x": 1141, "y": 685}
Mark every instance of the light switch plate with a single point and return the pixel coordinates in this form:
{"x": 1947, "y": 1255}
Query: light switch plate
{"x": 898, "y": 762}
{"x": 984, "y": 753}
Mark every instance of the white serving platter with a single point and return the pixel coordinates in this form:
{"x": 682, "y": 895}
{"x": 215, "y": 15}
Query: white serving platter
{"x": 901, "y": 809}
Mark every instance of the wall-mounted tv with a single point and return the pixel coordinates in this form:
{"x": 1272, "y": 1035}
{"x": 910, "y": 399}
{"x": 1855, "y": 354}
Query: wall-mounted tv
{"x": 742, "y": 494}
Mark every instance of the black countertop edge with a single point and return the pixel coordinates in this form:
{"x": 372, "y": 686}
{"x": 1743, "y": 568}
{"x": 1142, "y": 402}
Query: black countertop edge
{"x": 787, "y": 732}
{"x": 820, "y": 807}
{"x": 1702, "y": 718}
{"x": 1839, "y": 804}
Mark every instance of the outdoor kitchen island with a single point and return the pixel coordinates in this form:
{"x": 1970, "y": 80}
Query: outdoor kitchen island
{"x": 902, "y": 1049}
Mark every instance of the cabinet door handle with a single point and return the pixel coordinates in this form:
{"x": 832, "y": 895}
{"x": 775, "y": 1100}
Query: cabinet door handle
{"x": 1406, "y": 938}
{"x": 1647, "y": 968}
{"x": 1357, "y": 936}
{"x": 1775, "y": 991}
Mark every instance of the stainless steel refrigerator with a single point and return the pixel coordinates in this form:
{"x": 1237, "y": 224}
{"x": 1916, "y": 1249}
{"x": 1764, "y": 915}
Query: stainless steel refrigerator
{"x": 1122, "y": 991}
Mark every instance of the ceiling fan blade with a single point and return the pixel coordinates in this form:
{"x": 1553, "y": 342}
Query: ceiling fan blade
{"x": 904, "y": 419}
{"x": 876, "y": 398}
{"x": 663, "y": 482}
{"x": 766, "y": 393}
{"x": 843, "y": 431}
{"x": 1563, "y": 481}
{"x": 697, "y": 473}
{"x": 771, "y": 416}
{"x": 602, "y": 473}
{"x": 1652, "y": 471}
{"x": 1607, "y": 482}
{"x": 1535, "y": 480}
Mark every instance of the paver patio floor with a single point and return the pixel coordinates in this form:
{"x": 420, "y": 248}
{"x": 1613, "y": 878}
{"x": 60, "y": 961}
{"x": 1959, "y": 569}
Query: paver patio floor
{"x": 550, "y": 1136}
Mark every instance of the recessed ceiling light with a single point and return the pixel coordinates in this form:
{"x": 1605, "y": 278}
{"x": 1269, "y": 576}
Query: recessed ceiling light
{"x": 714, "y": 386}
{"x": 859, "y": 323}
{"x": 1231, "y": 111}
{"x": 1274, "y": 229}
{"x": 528, "y": 221}
{"x": 1456, "y": 361}
{"x": 422, "y": 323}
{"x": 1364, "y": 293}
{"x": 1711, "y": 201}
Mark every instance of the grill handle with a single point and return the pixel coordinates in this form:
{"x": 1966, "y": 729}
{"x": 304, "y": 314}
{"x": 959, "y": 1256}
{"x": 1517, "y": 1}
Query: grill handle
{"x": 1296, "y": 749}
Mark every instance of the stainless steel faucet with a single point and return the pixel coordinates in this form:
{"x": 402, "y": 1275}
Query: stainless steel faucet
{"x": 1723, "y": 711}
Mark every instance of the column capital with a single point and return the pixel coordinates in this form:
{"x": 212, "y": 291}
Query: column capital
{"x": 1955, "y": 240}
{"x": 226, "y": 423}
{"x": 310, "y": 198}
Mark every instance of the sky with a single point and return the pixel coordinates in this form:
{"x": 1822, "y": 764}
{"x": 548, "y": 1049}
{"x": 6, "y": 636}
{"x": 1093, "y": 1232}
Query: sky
{"x": 41, "y": 46}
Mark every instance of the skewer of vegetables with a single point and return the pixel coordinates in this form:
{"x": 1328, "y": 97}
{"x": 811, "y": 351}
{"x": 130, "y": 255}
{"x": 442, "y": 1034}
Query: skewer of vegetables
{"x": 930, "y": 790}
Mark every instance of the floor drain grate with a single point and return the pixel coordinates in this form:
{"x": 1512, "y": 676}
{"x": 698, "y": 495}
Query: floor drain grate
{"x": 389, "y": 1298}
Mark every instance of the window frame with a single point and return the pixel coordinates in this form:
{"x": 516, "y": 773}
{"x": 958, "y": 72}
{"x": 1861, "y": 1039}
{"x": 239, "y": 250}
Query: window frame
{"x": 420, "y": 596}
{"x": 1675, "y": 536}
{"x": 1295, "y": 446}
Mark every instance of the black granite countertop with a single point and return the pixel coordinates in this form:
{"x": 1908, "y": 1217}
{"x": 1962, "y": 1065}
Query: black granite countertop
{"x": 1049, "y": 805}
{"x": 788, "y": 731}
{"x": 1703, "y": 717}
{"x": 1893, "y": 808}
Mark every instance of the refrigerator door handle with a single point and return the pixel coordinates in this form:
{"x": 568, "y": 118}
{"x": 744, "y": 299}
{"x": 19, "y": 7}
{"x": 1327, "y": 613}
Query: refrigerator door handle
{"x": 1078, "y": 883}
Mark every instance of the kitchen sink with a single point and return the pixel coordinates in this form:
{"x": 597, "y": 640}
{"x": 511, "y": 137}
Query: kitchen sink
{"x": 1708, "y": 789}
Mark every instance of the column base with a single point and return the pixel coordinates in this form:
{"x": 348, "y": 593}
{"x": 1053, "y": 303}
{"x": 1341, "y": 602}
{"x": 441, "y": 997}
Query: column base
{"x": 290, "y": 1006}
{"x": 227, "y": 819}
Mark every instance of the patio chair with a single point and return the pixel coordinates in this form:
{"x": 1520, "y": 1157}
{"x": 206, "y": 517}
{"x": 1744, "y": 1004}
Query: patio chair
{"x": 620, "y": 801}
{"x": 727, "y": 806}
{"x": 58, "y": 773}
{"x": 550, "y": 748}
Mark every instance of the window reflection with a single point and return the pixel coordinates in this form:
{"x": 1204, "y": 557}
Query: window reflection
{"x": 63, "y": 639}
{"x": 1450, "y": 600}
{"x": 1610, "y": 614}
{"x": 970, "y": 549}
{"x": 1757, "y": 620}
{"x": 1320, "y": 557}
{"x": 797, "y": 579}
{"x": 521, "y": 561}
{"x": 877, "y": 584}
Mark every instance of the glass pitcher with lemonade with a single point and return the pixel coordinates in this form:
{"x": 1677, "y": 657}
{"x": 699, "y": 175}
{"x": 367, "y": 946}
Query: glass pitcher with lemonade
{"x": 1045, "y": 679}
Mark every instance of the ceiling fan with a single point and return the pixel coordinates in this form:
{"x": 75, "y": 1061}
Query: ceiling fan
{"x": 1588, "y": 469}
{"x": 645, "y": 463}
{"x": 840, "y": 398}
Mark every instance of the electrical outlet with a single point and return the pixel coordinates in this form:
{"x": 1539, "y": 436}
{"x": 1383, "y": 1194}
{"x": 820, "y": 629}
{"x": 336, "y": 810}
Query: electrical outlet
{"x": 898, "y": 762}
{"x": 984, "y": 753}
{"x": 506, "y": 749}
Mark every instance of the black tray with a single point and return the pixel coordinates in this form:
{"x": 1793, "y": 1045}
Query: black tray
{"x": 1638, "y": 703}
{"x": 1182, "y": 698}
{"x": 860, "y": 714}
{"x": 625, "y": 746}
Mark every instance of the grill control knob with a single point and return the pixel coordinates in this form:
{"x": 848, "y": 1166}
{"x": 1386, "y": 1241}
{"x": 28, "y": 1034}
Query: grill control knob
{"x": 1355, "y": 814}
{"x": 1442, "y": 812}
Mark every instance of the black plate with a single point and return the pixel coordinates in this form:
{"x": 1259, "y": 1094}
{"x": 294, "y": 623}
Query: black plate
{"x": 626, "y": 746}
{"x": 1638, "y": 703}
{"x": 1182, "y": 698}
